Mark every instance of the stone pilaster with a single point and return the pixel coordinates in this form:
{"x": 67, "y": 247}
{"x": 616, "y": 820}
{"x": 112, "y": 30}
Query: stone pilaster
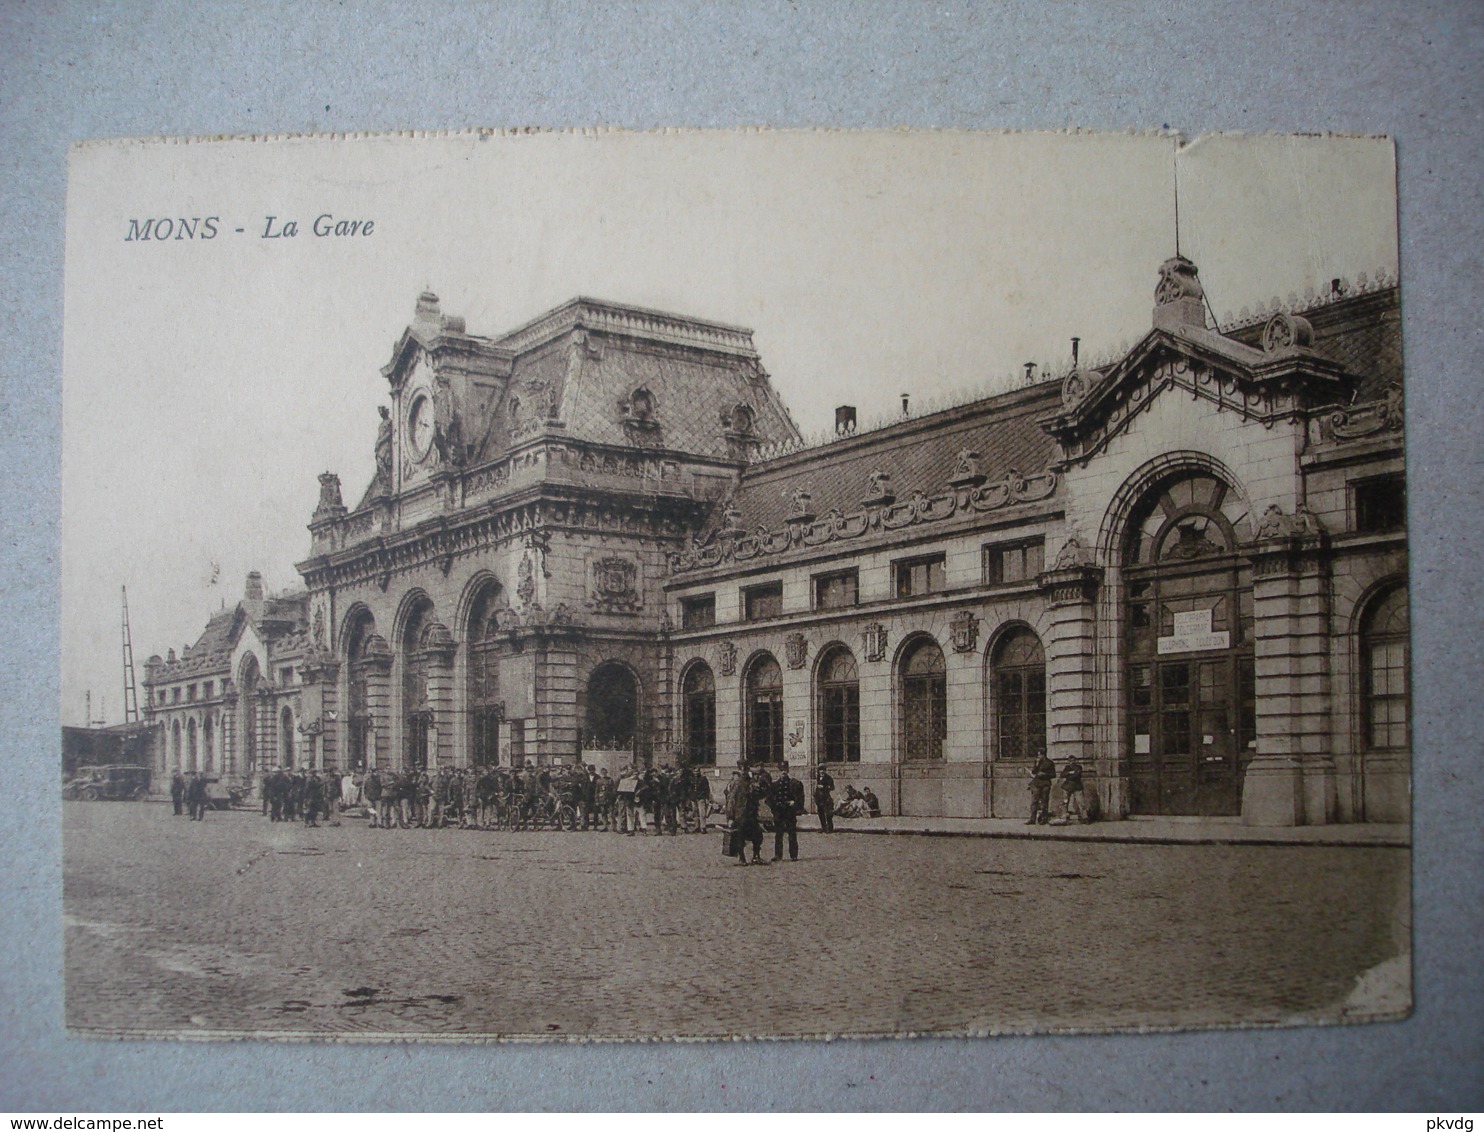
{"x": 227, "y": 740}
{"x": 1071, "y": 665}
{"x": 1291, "y": 777}
{"x": 438, "y": 659}
{"x": 380, "y": 752}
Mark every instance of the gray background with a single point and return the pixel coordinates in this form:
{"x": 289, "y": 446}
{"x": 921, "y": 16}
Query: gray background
{"x": 74, "y": 70}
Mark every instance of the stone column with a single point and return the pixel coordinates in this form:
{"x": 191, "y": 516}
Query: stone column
{"x": 227, "y": 740}
{"x": 438, "y": 650}
{"x": 1071, "y": 674}
{"x": 1291, "y": 777}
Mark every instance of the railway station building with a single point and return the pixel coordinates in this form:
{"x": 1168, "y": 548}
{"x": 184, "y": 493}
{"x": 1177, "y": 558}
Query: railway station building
{"x": 600, "y": 536}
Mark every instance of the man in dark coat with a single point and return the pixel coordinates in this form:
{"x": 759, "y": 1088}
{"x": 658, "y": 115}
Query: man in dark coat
{"x": 195, "y": 796}
{"x": 824, "y": 801}
{"x": 177, "y": 792}
{"x": 314, "y": 798}
{"x": 1043, "y": 774}
{"x": 787, "y": 800}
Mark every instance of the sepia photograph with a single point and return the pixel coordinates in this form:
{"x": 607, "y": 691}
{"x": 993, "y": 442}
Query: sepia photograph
{"x": 602, "y": 585}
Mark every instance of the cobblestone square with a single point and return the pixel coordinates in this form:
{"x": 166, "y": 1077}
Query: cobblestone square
{"x": 237, "y": 925}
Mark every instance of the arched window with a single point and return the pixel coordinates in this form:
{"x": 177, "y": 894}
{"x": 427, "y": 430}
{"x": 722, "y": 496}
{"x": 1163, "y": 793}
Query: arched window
{"x": 1019, "y": 684}
{"x": 286, "y": 739}
{"x": 357, "y": 688}
{"x": 839, "y": 699}
{"x": 486, "y": 709}
{"x": 612, "y": 715}
{"x": 191, "y": 763}
{"x": 1189, "y": 516}
{"x": 1384, "y": 652}
{"x": 208, "y": 754}
{"x": 764, "y": 711}
{"x": 175, "y": 745}
{"x": 247, "y": 698}
{"x": 700, "y": 715}
{"x": 924, "y": 701}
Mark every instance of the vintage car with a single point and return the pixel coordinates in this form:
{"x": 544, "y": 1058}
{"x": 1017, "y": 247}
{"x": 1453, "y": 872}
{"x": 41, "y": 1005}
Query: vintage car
{"x": 108, "y": 783}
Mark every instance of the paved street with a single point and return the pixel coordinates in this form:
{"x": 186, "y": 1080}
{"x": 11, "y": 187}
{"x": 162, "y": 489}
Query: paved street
{"x": 236, "y": 924}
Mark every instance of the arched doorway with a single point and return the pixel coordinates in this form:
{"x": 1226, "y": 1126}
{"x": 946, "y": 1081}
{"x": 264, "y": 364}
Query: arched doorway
{"x": 611, "y": 718}
{"x": 248, "y": 680}
{"x": 1188, "y": 639}
{"x": 286, "y": 739}
{"x": 764, "y": 727}
{"x": 358, "y": 721}
{"x": 486, "y": 709}
{"x": 699, "y": 692}
{"x": 208, "y": 753}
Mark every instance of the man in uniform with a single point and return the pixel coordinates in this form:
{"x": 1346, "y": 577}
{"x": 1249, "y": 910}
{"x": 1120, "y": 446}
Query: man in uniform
{"x": 787, "y": 800}
{"x": 627, "y": 818}
{"x": 371, "y": 792}
{"x": 177, "y": 792}
{"x": 824, "y": 800}
{"x": 314, "y": 799}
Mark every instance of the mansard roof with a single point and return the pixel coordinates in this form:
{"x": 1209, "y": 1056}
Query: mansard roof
{"x": 630, "y": 376}
{"x": 281, "y": 621}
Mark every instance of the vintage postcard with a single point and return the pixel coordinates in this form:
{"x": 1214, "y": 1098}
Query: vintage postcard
{"x": 601, "y": 585}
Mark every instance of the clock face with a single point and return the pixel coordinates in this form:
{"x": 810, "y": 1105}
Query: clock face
{"x": 420, "y": 425}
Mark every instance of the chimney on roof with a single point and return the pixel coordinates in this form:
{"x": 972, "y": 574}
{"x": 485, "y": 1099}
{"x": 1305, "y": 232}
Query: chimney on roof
{"x": 906, "y": 411}
{"x": 844, "y": 420}
{"x": 254, "y": 588}
{"x": 1076, "y": 342}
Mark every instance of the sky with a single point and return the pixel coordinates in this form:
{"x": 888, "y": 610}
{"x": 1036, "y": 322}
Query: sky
{"x": 207, "y": 383}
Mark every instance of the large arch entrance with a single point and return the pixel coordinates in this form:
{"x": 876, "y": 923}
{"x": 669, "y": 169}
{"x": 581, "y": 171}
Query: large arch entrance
{"x": 1188, "y": 643}
{"x": 486, "y": 708}
{"x": 611, "y": 719}
{"x": 249, "y": 680}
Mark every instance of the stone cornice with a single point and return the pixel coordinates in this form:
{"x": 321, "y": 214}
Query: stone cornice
{"x": 630, "y": 322}
{"x": 877, "y": 522}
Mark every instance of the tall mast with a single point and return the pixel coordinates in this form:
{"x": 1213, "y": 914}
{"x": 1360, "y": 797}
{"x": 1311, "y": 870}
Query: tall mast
{"x": 131, "y": 697}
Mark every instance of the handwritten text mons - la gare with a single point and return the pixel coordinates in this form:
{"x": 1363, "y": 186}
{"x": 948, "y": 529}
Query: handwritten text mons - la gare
{"x": 209, "y": 227}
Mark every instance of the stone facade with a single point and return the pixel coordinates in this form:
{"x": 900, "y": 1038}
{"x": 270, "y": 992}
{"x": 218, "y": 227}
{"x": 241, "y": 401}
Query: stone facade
{"x": 601, "y": 536}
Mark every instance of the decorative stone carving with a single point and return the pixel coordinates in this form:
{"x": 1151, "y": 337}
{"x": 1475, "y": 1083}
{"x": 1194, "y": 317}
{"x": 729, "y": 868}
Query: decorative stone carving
{"x": 525, "y": 587}
{"x": 638, "y": 409}
{"x": 1178, "y": 280}
{"x": 615, "y": 583}
{"x": 880, "y": 492}
{"x": 965, "y": 469}
{"x": 873, "y": 640}
{"x": 319, "y": 627}
{"x": 1073, "y": 554}
{"x": 1077, "y": 385}
{"x": 330, "y": 504}
{"x": 800, "y": 505}
{"x": 1286, "y": 332}
{"x": 731, "y": 518}
{"x": 1275, "y": 524}
{"x": 1370, "y": 418}
{"x": 796, "y": 649}
{"x": 964, "y": 628}
{"x": 381, "y": 484}
{"x": 728, "y": 660}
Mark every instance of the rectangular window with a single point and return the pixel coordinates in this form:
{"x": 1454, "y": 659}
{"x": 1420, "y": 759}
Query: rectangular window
{"x": 190, "y": 691}
{"x": 209, "y": 687}
{"x": 1381, "y": 505}
{"x": 1014, "y": 562}
{"x": 842, "y": 723}
{"x": 175, "y": 694}
{"x": 836, "y": 591}
{"x": 760, "y": 602}
{"x": 698, "y": 612}
{"x": 286, "y": 675}
{"x": 920, "y": 576}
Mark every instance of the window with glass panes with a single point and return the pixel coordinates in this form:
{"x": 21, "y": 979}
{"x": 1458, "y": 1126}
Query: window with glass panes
{"x": 839, "y": 708}
{"x": 1019, "y": 674}
{"x": 700, "y": 715}
{"x": 1014, "y": 562}
{"x": 1380, "y": 505}
{"x": 919, "y": 576}
{"x": 836, "y": 591}
{"x": 924, "y": 702}
{"x": 764, "y": 711}
{"x": 698, "y": 612}
{"x": 761, "y": 602}
{"x": 485, "y": 712}
{"x": 1385, "y": 648}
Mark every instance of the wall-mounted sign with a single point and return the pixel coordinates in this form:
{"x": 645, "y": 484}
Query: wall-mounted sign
{"x": 1193, "y": 634}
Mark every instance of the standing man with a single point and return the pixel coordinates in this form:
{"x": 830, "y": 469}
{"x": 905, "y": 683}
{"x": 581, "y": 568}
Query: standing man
{"x": 627, "y": 820}
{"x": 824, "y": 801}
{"x": 787, "y": 801}
{"x": 1043, "y": 774}
{"x": 314, "y": 799}
{"x": 371, "y": 792}
{"x": 177, "y": 793}
{"x": 1071, "y": 784}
